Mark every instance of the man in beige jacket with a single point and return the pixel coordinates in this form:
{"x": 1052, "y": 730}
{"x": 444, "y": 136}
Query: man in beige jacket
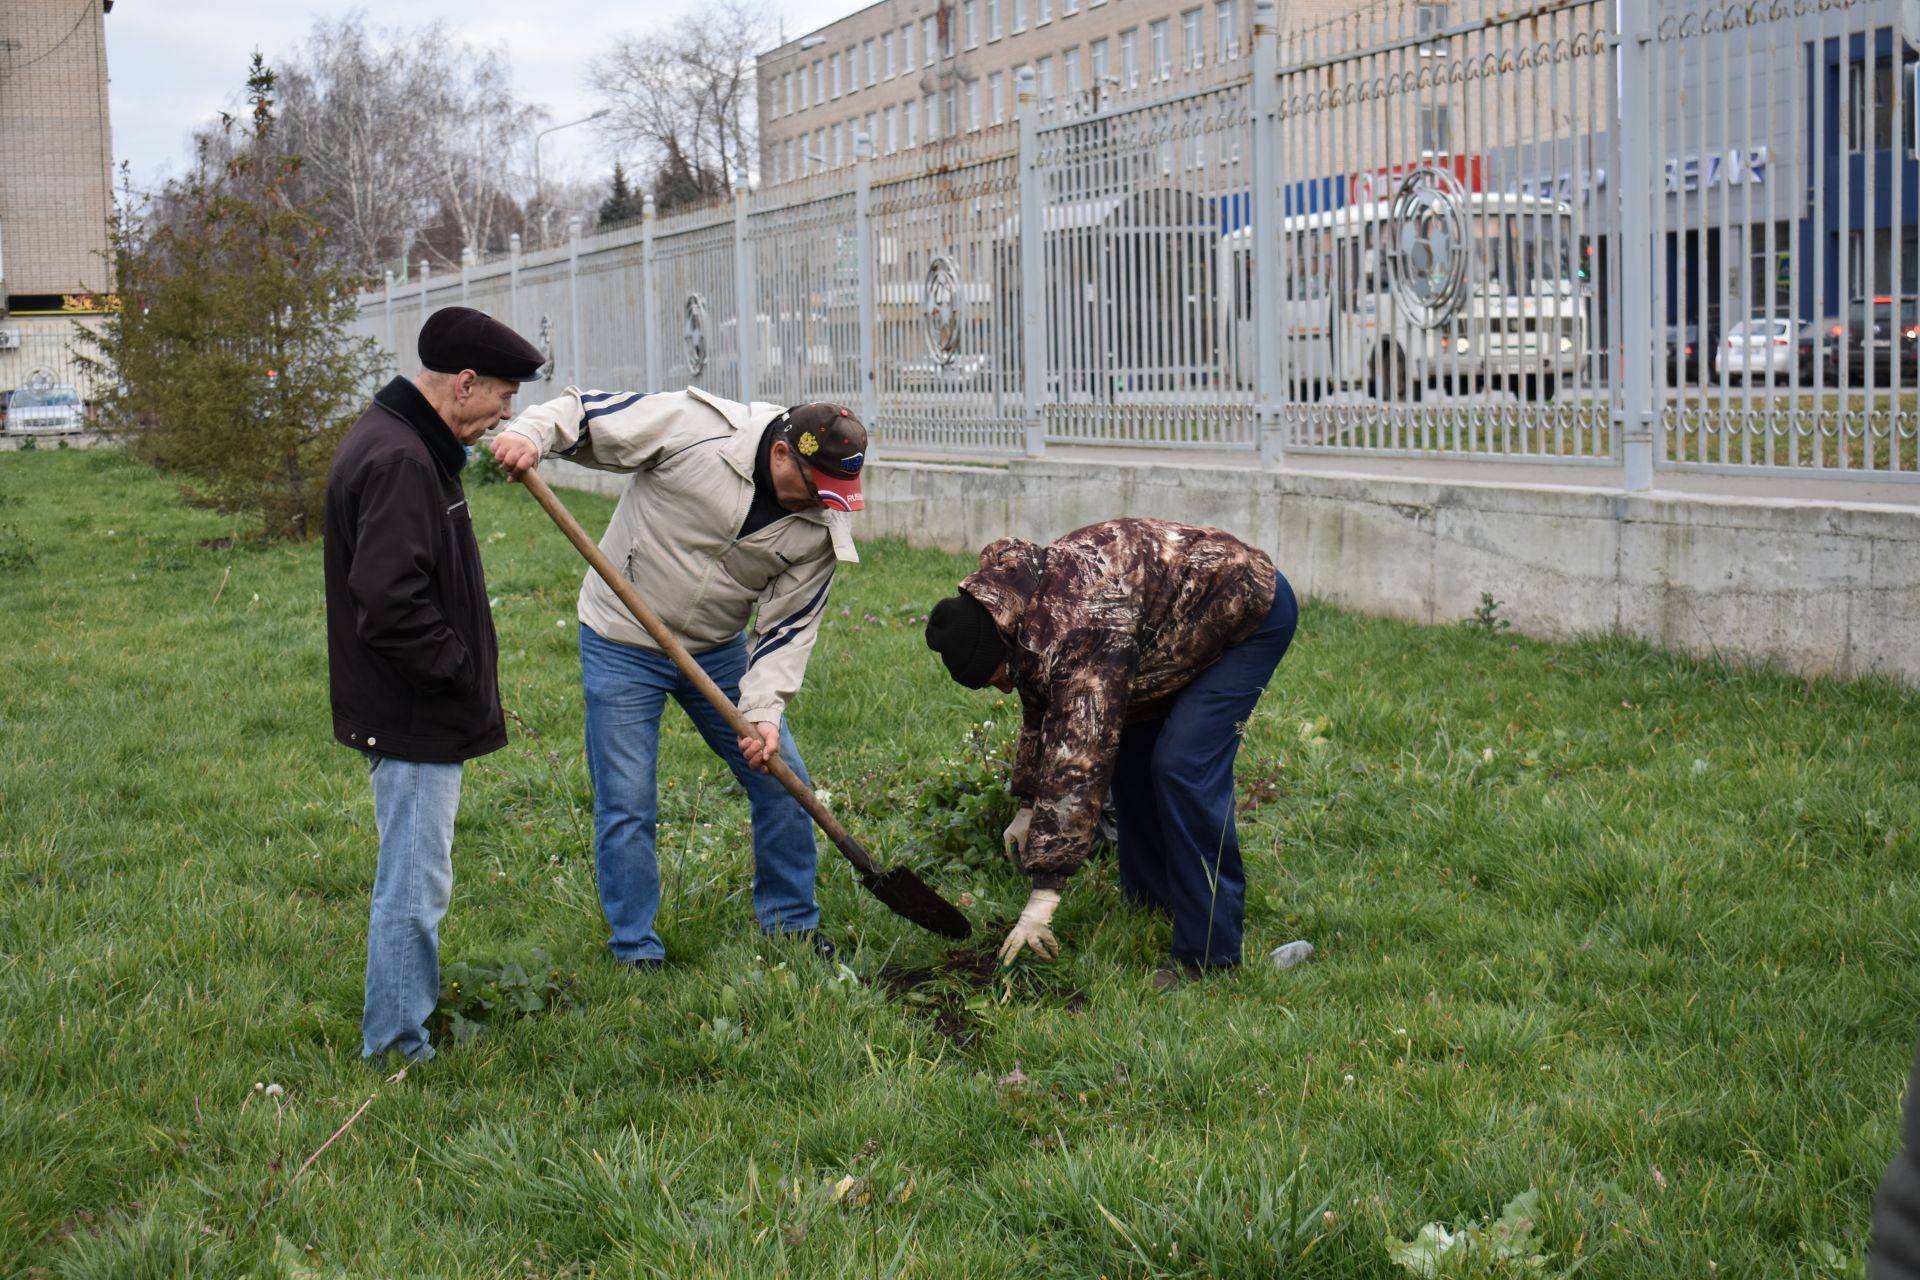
{"x": 733, "y": 513}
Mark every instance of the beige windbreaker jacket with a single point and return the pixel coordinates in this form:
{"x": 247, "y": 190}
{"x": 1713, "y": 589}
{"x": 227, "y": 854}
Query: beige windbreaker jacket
{"x": 675, "y": 532}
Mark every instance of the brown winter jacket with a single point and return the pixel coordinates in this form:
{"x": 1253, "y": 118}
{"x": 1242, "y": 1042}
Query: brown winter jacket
{"x": 1103, "y": 627}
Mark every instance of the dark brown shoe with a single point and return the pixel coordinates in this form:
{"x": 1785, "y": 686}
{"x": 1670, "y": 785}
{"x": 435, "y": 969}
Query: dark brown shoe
{"x": 1168, "y": 977}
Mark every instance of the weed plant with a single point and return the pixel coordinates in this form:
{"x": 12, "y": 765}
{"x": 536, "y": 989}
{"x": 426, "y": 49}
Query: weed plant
{"x": 1616, "y": 960}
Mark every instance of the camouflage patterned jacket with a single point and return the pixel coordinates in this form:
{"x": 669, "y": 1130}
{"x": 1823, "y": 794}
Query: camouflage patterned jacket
{"x": 1104, "y": 627}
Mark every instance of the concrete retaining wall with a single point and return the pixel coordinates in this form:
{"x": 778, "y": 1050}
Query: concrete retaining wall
{"x": 1815, "y": 588}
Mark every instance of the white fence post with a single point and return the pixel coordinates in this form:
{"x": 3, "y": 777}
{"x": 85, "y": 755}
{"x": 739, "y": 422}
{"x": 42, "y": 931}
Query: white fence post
{"x": 513, "y": 283}
{"x": 466, "y": 272}
{"x": 1264, "y": 233}
{"x": 426, "y": 269}
{"x": 574, "y": 344}
{"x": 1634, "y": 410}
{"x": 392, "y": 349}
{"x": 744, "y": 326}
{"x": 1033, "y": 257}
{"x": 863, "y": 246}
{"x": 650, "y": 317}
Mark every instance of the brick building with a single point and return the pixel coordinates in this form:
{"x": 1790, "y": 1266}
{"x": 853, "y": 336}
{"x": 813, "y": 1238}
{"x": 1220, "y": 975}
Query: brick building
{"x": 911, "y": 72}
{"x": 56, "y": 173}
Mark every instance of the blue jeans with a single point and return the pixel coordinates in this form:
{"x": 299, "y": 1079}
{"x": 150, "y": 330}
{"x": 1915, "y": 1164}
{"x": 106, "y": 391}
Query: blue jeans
{"x": 413, "y": 806}
{"x": 626, "y": 692}
{"x": 1173, "y": 795}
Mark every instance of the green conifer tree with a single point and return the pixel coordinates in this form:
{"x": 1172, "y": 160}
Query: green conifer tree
{"x": 228, "y": 362}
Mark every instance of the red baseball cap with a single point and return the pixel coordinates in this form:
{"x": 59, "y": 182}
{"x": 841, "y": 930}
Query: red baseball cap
{"x": 833, "y": 445}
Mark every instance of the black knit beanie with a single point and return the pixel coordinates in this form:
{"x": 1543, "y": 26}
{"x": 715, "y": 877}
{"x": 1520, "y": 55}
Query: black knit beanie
{"x": 961, "y": 631}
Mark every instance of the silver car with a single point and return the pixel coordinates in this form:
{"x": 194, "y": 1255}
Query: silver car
{"x": 1763, "y": 349}
{"x": 42, "y": 406}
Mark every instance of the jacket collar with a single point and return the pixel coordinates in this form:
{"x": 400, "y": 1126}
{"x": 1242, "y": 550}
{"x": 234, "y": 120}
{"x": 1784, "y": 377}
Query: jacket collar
{"x": 401, "y": 398}
{"x": 750, "y": 423}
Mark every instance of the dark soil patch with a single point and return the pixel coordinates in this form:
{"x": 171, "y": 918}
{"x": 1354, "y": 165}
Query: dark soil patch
{"x": 949, "y": 994}
{"x": 1259, "y": 788}
{"x": 217, "y": 544}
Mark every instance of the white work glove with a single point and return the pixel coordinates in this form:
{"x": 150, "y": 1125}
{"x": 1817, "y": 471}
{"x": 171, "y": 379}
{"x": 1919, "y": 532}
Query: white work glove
{"x": 1034, "y": 929}
{"x": 1014, "y": 838}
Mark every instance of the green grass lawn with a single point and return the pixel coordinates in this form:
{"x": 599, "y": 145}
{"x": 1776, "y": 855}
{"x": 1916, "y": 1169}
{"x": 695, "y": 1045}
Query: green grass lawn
{"x": 1635, "y": 931}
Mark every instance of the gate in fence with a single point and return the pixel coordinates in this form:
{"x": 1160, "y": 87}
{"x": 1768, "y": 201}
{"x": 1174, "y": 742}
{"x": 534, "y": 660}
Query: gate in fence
{"x": 1641, "y": 234}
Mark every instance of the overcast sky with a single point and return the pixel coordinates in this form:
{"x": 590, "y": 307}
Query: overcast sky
{"x": 175, "y": 64}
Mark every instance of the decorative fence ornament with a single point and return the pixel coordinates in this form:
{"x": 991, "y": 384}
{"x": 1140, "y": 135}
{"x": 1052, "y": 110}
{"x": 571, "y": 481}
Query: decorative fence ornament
{"x": 693, "y": 334}
{"x": 1429, "y": 251}
{"x": 941, "y": 310}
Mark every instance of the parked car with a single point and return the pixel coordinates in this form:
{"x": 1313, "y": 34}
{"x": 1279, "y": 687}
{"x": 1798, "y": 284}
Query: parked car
{"x": 1822, "y": 351}
{"x": 1880, "y": 342}
{"x": 967, "y": 370}
{"x": 1766, "y": 349}
{"x": 1688, "y": 353}
{"x": 46, "y": 407}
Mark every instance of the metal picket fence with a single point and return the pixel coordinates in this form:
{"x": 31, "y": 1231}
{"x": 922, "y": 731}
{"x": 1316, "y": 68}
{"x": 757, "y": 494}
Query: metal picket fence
{"x": 1636, "y": 234}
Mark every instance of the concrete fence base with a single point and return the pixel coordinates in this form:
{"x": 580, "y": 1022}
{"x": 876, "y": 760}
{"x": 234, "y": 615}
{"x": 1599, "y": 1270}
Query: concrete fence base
{"x": 1813, "y": 588}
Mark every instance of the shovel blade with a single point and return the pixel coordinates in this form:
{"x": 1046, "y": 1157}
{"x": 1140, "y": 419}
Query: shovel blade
{"x": 911, "y": 898}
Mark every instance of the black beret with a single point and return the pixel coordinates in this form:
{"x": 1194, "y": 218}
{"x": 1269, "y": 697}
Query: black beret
{"x": 456, "y": 338}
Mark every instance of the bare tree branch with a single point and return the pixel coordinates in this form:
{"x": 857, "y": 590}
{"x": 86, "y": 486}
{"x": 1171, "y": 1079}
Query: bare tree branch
{"x": 685, "y": 97}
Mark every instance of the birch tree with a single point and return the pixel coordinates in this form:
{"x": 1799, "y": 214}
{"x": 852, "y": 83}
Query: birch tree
{"x": 684, "y": 98}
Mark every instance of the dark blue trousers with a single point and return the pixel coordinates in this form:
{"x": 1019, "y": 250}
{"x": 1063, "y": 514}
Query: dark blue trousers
{"x": 1173, "y": 795}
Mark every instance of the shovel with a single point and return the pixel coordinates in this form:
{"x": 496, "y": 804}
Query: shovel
{"x": 904, "y": 893}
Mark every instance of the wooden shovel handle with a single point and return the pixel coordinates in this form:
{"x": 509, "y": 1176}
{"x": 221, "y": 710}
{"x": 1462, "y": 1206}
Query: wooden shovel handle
{"x": 641, "y": 610}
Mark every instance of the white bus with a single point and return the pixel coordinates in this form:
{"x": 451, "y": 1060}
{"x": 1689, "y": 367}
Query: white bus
{"x": 1515, "y": 310}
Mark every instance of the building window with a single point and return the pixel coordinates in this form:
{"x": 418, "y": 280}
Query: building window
{"x": 1042, "y": 12}
{"x": 873, "y": 64}
{"x": 1869, "y": 264}
{"x": 973, "y": 105}
{"x": 1019, "y": 16}
{"x": 1130, "y": 58}
{"x": 853, "y": 68}
{"x": 819, "y": 80}
{"x": 839, "y": 145}
{"x": 887, "y": 69}
{"x": 1770, "y": 265}
{"x": 933, "y": 119}
{"x": 906, "y": 48}
{"x": 1429, "y": 20}
{"x": 929, "y": 41}
{"x": 949, "y": 111}
{"x": 833, "y": 76}
{"x": 790, "y": 155}
{"x": 1226, "y": 30}
{"x": 1194, "y": 48}
{"x": 993, "y": 20}
{"x": 1436, "y": 132}
{"x": 1070, "y": 72}
{"x": 1157, "y": 47}
{"x": 1044, "y": 80}
{"x": 1069, "y": 7}
{"x": 1098, "y": 65}
{"x": 970, "y": 17}
{"x": 1873, "y": 106}
{"x": 997, "y": 97}
{"x": 912, "y": 113}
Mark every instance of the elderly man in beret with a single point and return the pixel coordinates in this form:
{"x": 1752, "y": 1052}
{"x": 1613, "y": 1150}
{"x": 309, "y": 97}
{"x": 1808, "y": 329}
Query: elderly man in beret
{"x": 1139, "y": 648}
{"x": 735, "y": 516}
{"x": 410, "y": 642}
